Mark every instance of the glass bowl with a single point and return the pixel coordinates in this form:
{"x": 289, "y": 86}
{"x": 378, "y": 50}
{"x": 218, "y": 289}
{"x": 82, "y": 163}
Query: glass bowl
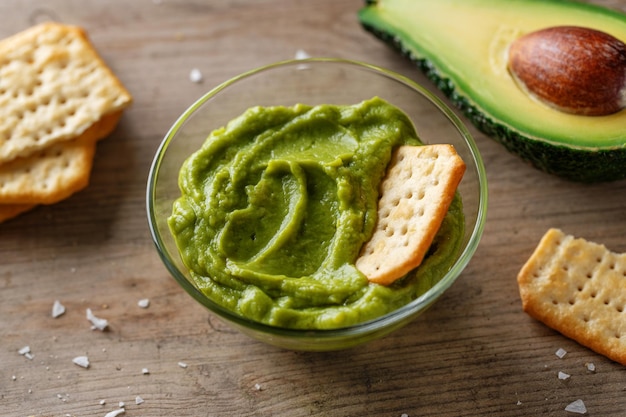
{"x": 314, "y": 81}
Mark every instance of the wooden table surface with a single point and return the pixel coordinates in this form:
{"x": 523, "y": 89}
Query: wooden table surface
{"x": 473, "y": 353}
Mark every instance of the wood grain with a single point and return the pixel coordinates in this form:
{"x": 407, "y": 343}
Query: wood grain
{"x": 473, "y": 353}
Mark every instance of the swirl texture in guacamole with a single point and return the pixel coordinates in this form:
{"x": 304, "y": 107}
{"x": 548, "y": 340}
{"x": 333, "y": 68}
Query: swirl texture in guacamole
{"x": 276, "y": 205}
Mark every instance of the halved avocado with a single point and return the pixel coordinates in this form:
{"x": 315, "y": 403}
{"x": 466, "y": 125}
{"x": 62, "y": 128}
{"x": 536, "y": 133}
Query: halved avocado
{"x": 462, "y": 46}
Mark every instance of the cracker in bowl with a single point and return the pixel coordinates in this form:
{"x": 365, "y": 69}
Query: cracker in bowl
{"x": 57, "y": 98}
{"x": 579, "y": 289}
{"x": 415, "y": 196}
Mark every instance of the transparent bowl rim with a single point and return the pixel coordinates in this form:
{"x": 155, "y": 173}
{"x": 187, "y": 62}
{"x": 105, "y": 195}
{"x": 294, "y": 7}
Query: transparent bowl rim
{"x": 395, "y": 316}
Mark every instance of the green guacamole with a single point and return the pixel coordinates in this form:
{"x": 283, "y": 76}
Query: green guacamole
{"x": 276, "y": 205}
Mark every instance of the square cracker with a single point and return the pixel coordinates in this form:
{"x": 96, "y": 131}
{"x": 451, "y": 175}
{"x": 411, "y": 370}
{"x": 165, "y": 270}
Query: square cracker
{"x": 53, "y": 87}
{"x": 56, "y": 172}
{"x": 579, "y": 289}
{"x": 415, "y": 195}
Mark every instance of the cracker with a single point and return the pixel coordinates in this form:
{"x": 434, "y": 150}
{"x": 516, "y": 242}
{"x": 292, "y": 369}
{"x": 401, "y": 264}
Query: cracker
{"x": 579, "y": 289}
{"x": 416, "y": 193}
{"x": 53, "y": 87}
{"x": 55, "y": 172}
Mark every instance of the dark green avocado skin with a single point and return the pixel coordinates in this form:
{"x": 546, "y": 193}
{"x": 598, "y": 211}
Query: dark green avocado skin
{"x": 573, "y": 164}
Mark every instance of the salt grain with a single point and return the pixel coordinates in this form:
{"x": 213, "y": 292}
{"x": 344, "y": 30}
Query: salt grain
{"x": 115, "y": 413}
{"x": 563, "y": 376}
{"x": 58, "y": 309}
{"x": 577, "y": 407}
{"x": 590, "y": 367}
{"x": 103, "y": 402}
{"x": 143, "y": 303}
{"x": 182, "y": 364}
{"x": 561, "y": 353}
{"x": 145, "y": 371}
{"x": 302, "y": 54}
{"x": 121, "y": 404}
{"x": 82, "y": 361}
{"x": 97, "y": 323}
{"x": 138, "y": 400}
{"x": 258, "y": 387}
{"x": 195, "y": 76}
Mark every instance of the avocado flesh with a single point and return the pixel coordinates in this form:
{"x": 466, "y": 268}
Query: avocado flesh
{"x": 462, "y": 46}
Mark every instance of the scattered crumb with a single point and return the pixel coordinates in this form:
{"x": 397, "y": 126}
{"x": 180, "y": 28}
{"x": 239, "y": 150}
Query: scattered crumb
{"x": 25, "y": 351}
{"x": 115, "y": 413}
{"x": 560, "y": 353}
{"x": 182, "y": 364}
{"x": 143, "y": 303}
{"x": 82, "y": 361}
{"x": 58, "y": 309}
{"x": 577, "y": 407}
{"x": 195, "y": 76}
{"x": 97, "y": 323}
{"x": 590, "y": 367}
{"x": 519, "y": 402}
{"x": 138, "y": 400}
{"x": 563, "y": 376}
{"x": 302, "y": 54}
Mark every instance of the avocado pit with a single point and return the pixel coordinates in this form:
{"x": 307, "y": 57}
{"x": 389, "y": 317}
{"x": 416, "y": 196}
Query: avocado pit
{"x": 572, "y": 69}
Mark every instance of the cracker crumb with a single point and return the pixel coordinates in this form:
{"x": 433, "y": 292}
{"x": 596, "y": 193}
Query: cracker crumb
{"x": 577, "y": 407}
{"x": 143, "y": 303}
{"x": 25, "y": 351}
{"x": 560, "y": 353}
{"x": 81, "y": 361}
{"x": 96, "y": 322}
{"x": 58, "y": 309}
{"x": 195, "y": 76}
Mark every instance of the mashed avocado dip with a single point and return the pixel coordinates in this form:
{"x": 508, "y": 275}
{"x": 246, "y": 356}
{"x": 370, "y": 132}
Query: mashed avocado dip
{"x": 276, "y": 205}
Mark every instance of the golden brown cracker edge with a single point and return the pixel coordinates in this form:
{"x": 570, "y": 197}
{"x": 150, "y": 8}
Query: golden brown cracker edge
{"x": 10, "y": 211}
